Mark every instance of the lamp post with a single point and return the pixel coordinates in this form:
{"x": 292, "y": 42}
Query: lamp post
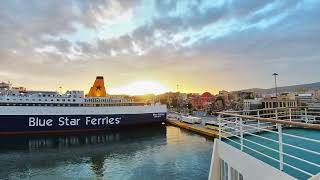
{"x": 275, "y": 82}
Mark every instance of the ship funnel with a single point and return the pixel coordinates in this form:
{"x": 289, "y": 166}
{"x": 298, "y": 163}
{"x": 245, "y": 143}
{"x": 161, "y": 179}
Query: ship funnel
{"x": 98, "y": 89}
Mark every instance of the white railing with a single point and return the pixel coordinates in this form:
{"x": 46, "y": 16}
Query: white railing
{"x": 240, "y": 129}
{"x": 300, "y": 114}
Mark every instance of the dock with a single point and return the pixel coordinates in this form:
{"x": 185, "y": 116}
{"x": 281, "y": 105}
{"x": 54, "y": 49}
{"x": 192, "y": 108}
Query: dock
{"x": 196, "y": 128}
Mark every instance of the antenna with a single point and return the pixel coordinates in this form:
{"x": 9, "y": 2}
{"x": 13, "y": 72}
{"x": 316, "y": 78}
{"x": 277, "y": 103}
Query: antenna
{"x": 60, "y": 91}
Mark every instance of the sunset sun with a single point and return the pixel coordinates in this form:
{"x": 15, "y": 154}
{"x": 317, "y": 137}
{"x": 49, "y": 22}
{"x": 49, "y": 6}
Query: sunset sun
{"x": 140, "y": 88}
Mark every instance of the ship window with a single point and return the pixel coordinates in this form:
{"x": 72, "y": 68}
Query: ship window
{"x": 58, "y": 99}
{"x": 235, "y": 175}
{"x": 223, "y": 170}
{"x": 8, "y": 99}
{"x": 74, "y": 100}
{"x": 39, "y": 99}
{"x": 63, "y": 100}
{"x": 68, "y": 99}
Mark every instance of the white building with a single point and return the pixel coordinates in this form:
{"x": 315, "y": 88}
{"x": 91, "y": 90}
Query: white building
{"x": 305, "y": 99}
{"x": 251, "y": 104}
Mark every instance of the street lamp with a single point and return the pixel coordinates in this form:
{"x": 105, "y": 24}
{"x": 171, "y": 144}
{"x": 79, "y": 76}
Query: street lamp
{"x": 275, "y": 83}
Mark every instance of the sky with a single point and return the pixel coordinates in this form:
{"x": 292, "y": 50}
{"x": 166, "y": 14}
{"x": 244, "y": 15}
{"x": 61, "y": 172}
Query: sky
{"x": 200, "y": 45}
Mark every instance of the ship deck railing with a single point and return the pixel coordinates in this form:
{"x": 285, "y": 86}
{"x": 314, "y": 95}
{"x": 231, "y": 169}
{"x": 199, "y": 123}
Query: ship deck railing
{"x": 297, "y": 155}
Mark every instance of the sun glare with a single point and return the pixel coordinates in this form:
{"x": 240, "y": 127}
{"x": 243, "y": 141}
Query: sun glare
{"x": 140, "y": 88}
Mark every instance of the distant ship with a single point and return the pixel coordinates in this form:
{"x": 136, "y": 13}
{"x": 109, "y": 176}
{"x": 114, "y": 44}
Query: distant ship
{"x": 29, "y": 112}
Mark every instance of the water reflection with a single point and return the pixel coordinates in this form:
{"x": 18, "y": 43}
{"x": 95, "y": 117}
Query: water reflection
{"x": 134, "y": 153}
{"x": 35, "y": 143}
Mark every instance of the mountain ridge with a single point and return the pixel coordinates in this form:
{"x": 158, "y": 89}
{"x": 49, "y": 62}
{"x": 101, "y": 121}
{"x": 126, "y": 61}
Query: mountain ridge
{"x": 290, "y": 88}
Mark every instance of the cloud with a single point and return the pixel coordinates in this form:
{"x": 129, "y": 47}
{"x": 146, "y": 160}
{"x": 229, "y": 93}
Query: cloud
{"x": 201, "y": 38}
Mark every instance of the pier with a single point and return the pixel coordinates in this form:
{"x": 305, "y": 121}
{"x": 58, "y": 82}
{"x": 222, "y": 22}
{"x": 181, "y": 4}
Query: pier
{"x": 196, "y": 128}
{"x": 259, "y": 120}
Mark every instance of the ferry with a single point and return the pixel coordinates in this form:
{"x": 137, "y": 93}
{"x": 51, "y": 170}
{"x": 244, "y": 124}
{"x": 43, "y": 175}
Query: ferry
{"x": 30, "y": 112}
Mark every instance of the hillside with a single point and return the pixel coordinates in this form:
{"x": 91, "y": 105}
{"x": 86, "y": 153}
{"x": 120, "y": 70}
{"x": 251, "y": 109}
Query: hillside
{"x": 294, "y": 88}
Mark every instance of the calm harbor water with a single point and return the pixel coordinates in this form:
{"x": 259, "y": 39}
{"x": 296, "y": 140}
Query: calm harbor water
{"x": 161, "y": 152}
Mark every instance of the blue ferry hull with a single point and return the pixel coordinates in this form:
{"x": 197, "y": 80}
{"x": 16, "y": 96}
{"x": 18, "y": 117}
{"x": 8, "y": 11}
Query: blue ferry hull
{"x": 30, "y": 124}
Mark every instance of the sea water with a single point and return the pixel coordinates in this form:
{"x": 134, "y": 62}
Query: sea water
{"x": 152, "y": 152}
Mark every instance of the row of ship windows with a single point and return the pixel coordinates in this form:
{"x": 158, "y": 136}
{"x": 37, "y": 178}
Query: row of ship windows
{"x": 45, "y": 95}
{"x": 83, "y": 105}
{"x": 101, "y": 100}
{"x": 63, "y": 100}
